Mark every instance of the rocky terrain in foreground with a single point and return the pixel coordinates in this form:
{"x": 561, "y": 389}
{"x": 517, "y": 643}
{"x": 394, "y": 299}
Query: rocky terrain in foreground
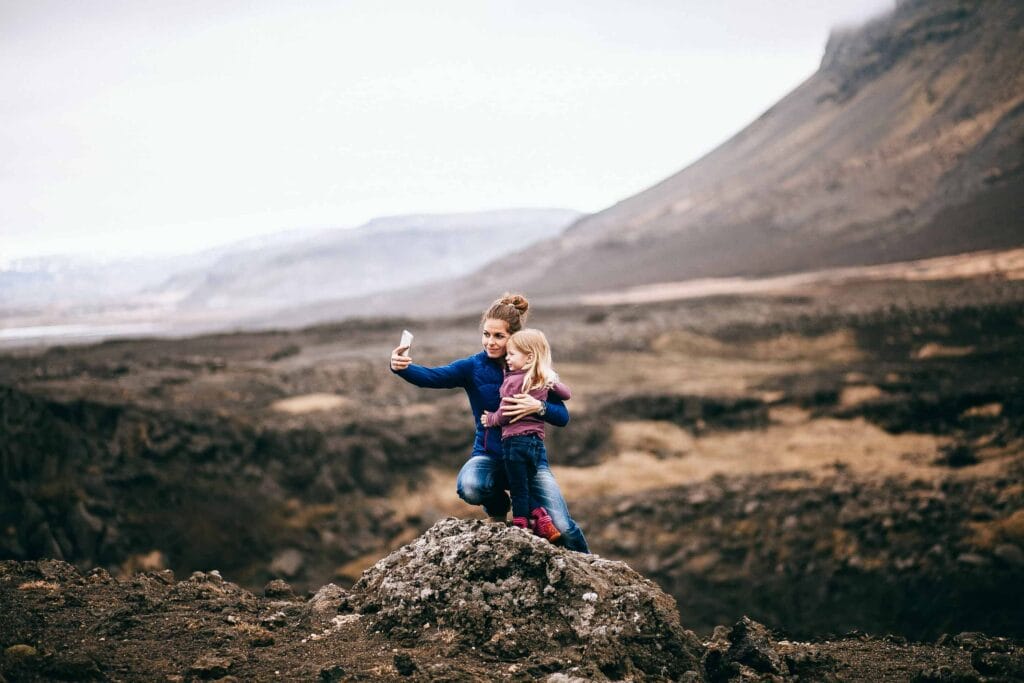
{"x": 466, "y": 601}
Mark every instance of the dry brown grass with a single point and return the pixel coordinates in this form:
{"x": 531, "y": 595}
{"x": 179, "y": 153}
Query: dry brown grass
{"x": 795, "y": 443}
{"x": 309, "y": 403}
{"x": 44, "y": 586}
{"x": 855, "y": 395}
{"x": 298, "y": 515}
{"x": 153, "y": 561}
{"x": 1007, "y": 264}
{"x": 690, "y": 343}
{"x": 417, "y": 411}
{"x": 672, "y": 373}
{"x": 933, "y": 350}
{"x": 652, "y": 436}
{"x": 987, "y": 410}
{"x": 254, "y": 633}
{"x": 836, "y": 347}
{"x": 987, "y": 535}
{"x": 1011, "y": 493}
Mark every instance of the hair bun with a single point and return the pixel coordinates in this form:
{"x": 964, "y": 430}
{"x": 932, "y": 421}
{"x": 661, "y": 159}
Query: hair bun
{"x": 518, "y": 301}
{"x": 511, "y": 308}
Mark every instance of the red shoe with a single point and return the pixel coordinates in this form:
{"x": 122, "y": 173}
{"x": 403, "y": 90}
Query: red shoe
{"x": 521, "y": 522}
{"x": 543, "y": 526}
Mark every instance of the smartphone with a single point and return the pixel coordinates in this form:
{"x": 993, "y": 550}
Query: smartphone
{"x": 406, "y": 339}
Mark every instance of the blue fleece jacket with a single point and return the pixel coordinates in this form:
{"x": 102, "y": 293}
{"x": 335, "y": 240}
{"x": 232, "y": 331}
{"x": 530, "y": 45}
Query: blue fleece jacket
{"x": 481, "y": 377}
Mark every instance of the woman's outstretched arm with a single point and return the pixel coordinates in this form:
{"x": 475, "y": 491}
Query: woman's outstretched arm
{"x": 444, "y": 377}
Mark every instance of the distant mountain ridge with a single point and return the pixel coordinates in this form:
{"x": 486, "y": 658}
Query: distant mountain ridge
{"x": 246, "y": 283}
{"x": 384, "y": 254}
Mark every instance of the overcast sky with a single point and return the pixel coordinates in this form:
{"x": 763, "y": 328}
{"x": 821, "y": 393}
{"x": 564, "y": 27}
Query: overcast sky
{"x": 146, "y": 126}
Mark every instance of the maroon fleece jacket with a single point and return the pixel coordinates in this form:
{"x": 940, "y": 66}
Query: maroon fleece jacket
{"x": 531, "y": 424}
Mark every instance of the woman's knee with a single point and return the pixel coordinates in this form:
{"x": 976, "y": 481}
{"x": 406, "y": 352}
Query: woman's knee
{"x": 562, "y": 521}
{"x": 471, "y": 492}
{"x": 469, "y": 488}
{"x": 473, "y": 485}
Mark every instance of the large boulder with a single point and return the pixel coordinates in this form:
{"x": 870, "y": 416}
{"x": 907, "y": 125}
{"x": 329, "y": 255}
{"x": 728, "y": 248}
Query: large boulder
{"x": 473, "y": 584}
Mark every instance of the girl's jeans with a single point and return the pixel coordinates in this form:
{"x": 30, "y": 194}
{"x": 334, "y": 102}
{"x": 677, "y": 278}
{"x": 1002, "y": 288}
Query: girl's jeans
{"x": 483, "y": 481}
{"x": 522, "y": 453}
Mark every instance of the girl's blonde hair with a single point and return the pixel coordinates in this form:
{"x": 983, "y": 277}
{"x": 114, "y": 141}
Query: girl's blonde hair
{"x": 539, "y": 372}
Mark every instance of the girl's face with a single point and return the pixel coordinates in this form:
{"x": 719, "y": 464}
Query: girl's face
{"x": 495, "y": 337}
{"x": 515, "y": 359}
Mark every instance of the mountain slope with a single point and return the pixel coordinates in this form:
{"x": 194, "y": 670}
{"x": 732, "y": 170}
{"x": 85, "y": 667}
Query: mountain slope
{"x": 906, "y": 143}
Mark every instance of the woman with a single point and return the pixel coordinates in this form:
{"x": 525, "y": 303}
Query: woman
{"x": 482, "y": 480}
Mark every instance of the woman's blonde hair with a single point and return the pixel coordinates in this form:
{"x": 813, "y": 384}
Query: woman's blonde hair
{"x": 539, "y": 372}
{"x": 512, "y": 308}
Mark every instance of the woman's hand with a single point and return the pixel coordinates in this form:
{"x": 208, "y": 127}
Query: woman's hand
{"x": 400, "y": 361}
{"x": 519, "y": 406}
{"x": 483, "y": 418}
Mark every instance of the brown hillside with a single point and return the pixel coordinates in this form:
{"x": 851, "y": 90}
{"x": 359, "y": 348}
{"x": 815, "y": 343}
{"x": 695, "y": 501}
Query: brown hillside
{"x": 907, "y": 143}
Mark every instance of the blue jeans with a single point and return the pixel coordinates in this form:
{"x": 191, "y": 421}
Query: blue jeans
{"x": 522, "y": 454}
{"x": 483, "y": 481}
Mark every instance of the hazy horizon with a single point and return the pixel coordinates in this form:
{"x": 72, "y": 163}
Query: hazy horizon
{"x": 139, "y": 128}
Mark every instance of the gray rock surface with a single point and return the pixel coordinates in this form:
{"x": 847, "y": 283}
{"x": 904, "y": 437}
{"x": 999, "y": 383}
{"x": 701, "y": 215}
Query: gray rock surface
{"x": 510, "y": 594}
{"x": 326, "y": 604}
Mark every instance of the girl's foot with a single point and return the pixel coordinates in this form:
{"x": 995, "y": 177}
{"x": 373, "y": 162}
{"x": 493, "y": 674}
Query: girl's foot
{"x": 521, "y": 522}
{"x": 543, "y": 526}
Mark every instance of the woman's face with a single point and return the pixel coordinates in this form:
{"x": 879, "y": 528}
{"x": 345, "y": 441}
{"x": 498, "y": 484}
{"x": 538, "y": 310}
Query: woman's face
{"x": 495, "y": 337}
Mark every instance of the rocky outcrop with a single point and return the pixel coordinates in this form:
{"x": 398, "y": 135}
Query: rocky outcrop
{"x": 512, "y": 594}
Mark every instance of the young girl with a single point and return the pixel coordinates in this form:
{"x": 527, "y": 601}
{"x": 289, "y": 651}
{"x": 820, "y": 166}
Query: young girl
{"x": 528, "y": 370}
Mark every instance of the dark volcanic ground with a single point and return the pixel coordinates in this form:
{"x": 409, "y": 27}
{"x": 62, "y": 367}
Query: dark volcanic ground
{"x": 823, "y": 461}
{"x": 467, "y": 601}
{"x": 830, "y": 557}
